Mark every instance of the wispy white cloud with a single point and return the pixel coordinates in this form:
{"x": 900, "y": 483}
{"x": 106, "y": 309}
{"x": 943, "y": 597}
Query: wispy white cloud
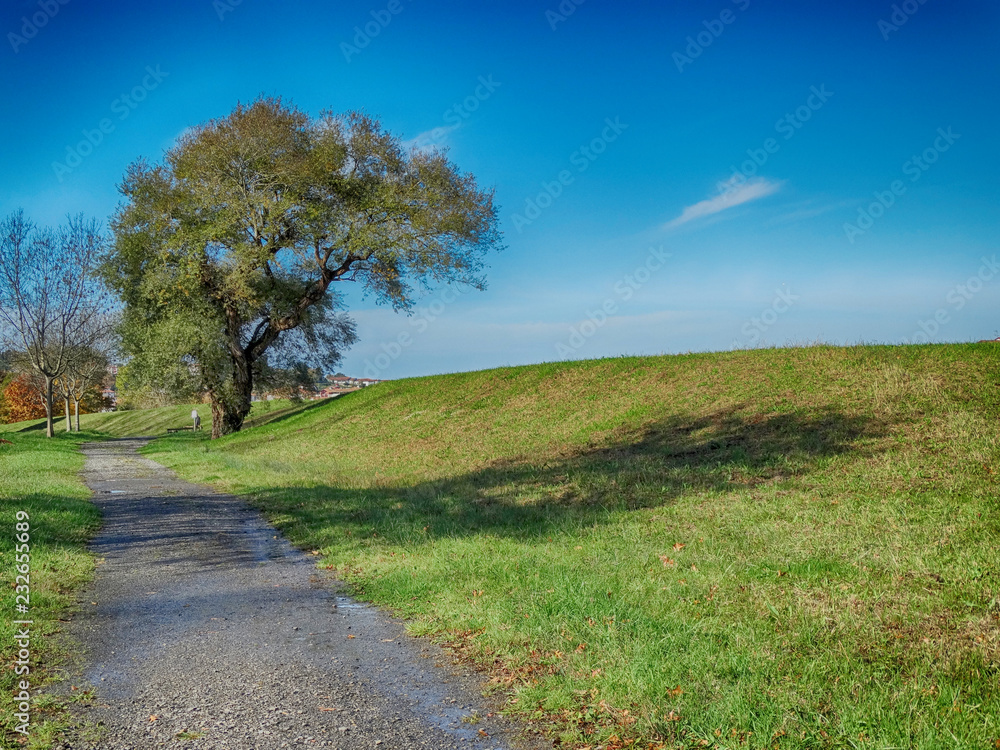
{"x": 730, "y": 196}
{"x": 433, "y": 138}
{"x": 804, "y": 211}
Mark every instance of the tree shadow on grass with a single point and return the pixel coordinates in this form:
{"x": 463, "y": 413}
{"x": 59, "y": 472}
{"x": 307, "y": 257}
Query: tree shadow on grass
{"x": 531, "y": 496}
{"x": 291, "y": 411}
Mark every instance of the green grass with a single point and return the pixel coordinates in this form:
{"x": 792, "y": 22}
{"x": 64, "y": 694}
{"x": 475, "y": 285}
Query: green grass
{"x": 781, "y": 548}
{"x": 150, "y": 422}
{"x": 39, "y": 476}
{"x": 22, "y": 426}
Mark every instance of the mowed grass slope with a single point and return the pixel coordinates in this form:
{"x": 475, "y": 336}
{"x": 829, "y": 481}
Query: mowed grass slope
{"x": 781, "y": 548}
{"x": 139, "y": 423}
{"x": 151, "y": 422}
{"x": 40, "y": 477}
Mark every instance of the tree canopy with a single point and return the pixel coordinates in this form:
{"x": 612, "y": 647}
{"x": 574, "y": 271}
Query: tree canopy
{"x": 226, "y": 252}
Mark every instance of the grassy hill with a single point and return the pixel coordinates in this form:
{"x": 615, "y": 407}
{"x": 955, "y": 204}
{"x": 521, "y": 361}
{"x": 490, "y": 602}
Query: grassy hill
{"x": 781, "y": 548}
{"x": 791, "y": 548}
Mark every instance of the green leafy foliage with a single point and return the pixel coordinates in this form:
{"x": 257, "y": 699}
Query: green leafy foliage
{"x": 226, "y": 252}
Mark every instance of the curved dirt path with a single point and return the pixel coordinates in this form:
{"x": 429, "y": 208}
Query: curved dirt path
{"x": 205, "y": 629}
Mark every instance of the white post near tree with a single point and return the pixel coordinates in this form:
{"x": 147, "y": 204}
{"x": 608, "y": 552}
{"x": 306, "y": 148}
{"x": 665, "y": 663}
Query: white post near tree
{"x": 50, "y": 302}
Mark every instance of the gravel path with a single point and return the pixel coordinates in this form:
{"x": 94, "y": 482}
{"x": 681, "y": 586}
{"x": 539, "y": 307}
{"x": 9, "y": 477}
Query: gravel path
{"x": 205, "y": 629}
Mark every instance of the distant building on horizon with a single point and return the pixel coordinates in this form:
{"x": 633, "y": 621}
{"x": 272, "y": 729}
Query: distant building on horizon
{"x": 345, "y": 384}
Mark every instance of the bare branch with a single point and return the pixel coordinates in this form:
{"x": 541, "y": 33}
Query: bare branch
{"x": 50, "y": 302}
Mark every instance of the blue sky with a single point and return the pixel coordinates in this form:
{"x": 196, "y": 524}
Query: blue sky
{"x": 725, "y": 174}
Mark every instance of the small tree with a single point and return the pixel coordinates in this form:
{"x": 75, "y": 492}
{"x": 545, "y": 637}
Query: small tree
{"x": 49, "y": 299}
{"x": 227, "y": 251}
{"x": 64, "y": 390}
{"x": 85, "y": 369}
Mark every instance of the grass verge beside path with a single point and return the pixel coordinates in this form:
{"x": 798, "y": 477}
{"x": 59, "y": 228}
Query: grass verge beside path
{"x": 40, "y": 477}
{"x": 782, "y": 548}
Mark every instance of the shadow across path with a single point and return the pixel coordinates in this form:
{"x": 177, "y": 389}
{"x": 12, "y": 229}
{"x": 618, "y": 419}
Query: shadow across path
{"x": 205, "y": 625}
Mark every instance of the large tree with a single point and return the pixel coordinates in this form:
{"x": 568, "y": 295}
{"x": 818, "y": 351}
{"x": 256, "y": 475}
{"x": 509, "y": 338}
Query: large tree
{"x": 50, "y": 301}
{"x": 226, "y": 252}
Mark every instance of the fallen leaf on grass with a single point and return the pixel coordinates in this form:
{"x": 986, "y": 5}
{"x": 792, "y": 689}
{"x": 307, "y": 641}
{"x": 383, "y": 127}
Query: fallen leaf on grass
{"x": 667, "y": 562}
{"x": 678, "y": 547}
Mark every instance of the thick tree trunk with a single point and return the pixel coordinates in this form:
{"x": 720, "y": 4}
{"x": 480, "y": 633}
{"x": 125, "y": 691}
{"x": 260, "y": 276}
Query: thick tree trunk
{"x": 76, "y": 412}
{"x": 218, "y": 410}
{"x": 49, "y": 426}
{"x": 69, "y": 421}
{"x": 233, "y": 418}
{"x": 243, "y": 388}
{"x": 229, "y": 414}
